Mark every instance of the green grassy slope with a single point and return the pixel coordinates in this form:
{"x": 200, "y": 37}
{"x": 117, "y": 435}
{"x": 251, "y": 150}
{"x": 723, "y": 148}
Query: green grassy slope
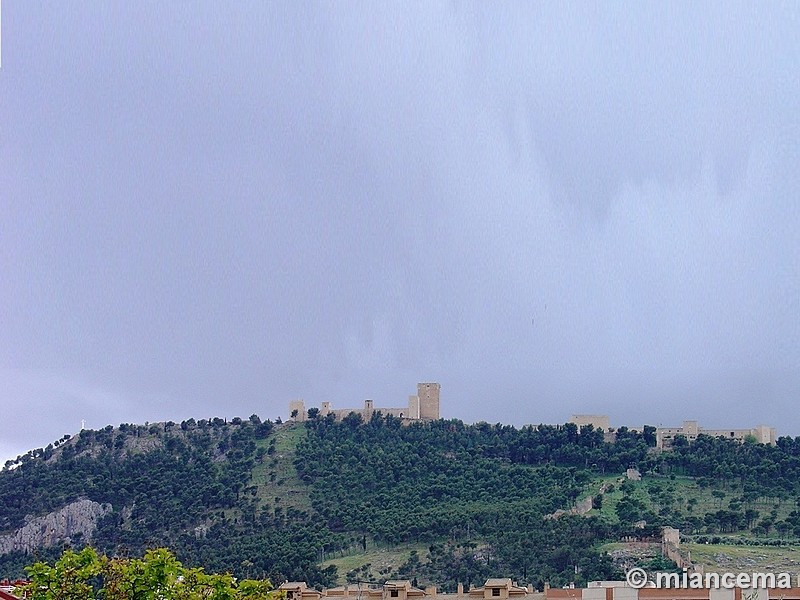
{"x": 275, "y": 477}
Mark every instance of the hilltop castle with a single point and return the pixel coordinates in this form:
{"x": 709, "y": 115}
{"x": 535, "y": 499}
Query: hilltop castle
{"x": 665, "y": 436}
{"x": 423, "y": 406}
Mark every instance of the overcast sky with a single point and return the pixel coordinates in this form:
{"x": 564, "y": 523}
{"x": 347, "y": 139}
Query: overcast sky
{"x": 211, "y": 208}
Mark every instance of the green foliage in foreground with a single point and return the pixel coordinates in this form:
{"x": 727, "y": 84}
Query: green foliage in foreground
{"x": 85, "y": 575}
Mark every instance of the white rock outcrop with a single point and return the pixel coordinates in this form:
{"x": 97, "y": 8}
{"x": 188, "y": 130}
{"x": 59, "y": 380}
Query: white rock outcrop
{"x": 79, "y": 517}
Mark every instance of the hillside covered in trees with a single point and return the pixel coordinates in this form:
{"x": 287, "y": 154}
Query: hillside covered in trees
{"x": 259, "y": 499}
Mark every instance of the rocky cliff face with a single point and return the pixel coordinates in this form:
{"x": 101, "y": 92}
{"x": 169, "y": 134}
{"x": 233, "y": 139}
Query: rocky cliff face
{"x": 79, "y": 517}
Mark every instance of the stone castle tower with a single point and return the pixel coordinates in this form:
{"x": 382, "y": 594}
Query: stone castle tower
{"x": 297, "y": 410}
{"x": 428, "y": 394}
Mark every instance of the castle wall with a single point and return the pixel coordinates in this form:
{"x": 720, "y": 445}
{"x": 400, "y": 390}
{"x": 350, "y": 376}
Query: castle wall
{"x": 665, "y": 436}
{"x": 596, "y": 421}
{"x": 413, "y": 407}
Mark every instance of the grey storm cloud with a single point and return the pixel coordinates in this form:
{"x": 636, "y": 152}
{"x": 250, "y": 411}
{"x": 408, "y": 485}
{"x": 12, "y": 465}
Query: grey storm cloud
{"x": 211, "y": 208}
